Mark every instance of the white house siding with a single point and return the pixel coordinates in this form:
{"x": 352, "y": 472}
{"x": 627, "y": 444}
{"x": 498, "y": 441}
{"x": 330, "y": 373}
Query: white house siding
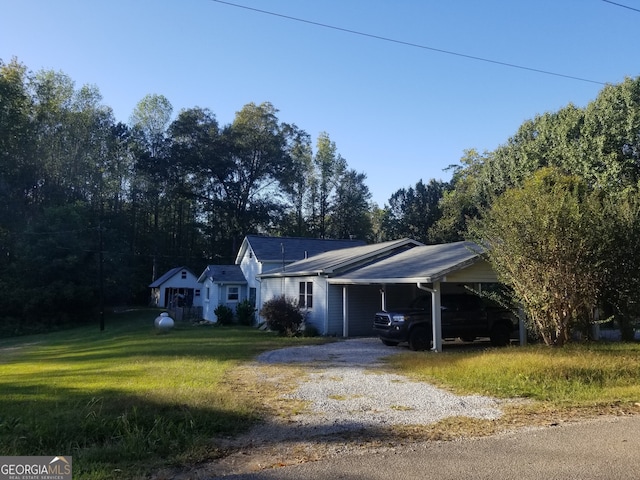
{"x": 274, "y": 287}
{"x": 210, "y": 300}
{"x": 250, "y": 268}
{"x": 164, "y": 295}
{"x": 218, "y": 296}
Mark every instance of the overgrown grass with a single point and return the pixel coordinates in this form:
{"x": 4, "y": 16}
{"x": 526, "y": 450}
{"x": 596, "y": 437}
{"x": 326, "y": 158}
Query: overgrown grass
{"x": 577, "y": 376}
{"x": 129, "y": 399}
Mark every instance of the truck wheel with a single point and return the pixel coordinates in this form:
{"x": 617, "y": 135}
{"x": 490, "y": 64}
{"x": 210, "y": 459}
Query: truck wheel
{"x": 389, "y": 343}
{"x": 500, "y": 335}
{"x": 419, "y": 339}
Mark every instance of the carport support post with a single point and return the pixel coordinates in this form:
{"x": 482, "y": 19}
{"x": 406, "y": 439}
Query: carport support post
{"x": 436, "y": 316}
{"x": 345, "y": 312}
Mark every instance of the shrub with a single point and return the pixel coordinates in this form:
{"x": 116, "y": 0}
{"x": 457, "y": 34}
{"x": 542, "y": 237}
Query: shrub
{"x": 224, "y": 315}
{"x": 245, "y": 313}
{"x": 282, "y": 315}
{"x": 310, "y": 331}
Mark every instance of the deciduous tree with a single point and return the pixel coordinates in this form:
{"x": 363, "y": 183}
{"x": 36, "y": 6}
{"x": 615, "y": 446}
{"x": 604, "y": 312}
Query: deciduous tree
{"x": 542, "y": 239}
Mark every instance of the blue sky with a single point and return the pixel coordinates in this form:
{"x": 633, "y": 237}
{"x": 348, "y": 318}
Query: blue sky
{"x": 396, "y": 112}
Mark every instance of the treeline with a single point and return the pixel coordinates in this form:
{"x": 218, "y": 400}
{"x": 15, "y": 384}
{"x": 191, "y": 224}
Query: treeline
{"x": 81, "y": 192}
{"x": 77, "y": 186}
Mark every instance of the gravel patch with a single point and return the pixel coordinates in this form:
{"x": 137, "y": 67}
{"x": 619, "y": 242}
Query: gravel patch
{"x": 351, "y": 404}
{"x": 347, "y": 390}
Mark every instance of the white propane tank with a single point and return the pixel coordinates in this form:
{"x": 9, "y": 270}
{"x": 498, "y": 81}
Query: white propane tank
{"x": 166, "y": 323}
{"x": 163, "y": 321}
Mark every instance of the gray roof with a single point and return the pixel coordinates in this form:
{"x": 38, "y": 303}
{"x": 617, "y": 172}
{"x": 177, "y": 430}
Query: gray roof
{"x": 427, "y": 263}
{"x": 345, "y": 259}
{"x": 270, "y": 249}
{"x": 163, "y": 278}
{"x": 223, "y": 274}
{"x": 400, "y": 261}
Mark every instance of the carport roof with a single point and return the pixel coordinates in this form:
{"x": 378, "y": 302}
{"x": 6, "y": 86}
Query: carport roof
{"x": 399, "y": 261}
{"x": 427, "y": 263}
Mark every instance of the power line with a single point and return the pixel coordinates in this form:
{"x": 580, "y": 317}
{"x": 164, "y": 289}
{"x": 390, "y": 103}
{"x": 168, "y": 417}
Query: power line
{"x": 410, "y": 44}
{"x": 621, "y": 5}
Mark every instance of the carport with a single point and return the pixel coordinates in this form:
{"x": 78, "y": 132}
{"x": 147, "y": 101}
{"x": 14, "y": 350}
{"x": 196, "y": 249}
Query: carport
{"x": 430, "y": 268}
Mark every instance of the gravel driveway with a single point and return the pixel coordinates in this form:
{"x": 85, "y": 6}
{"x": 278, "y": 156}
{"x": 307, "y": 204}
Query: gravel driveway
{"x": 348, "y": 389}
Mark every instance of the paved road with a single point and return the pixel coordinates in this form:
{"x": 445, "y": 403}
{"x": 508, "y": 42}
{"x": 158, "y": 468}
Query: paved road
{"x": 603, "y": 449}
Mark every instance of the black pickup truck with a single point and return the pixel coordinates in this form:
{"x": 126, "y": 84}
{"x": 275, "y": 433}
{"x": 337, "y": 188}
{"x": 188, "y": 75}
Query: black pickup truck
{"x": 463, "y": 316}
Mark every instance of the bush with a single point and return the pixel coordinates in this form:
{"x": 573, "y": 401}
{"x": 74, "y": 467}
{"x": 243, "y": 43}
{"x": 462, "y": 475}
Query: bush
{"x": 282, "y": 315}
{"x": 245, "y": 313}
{"x": 310, "y": 331}
{"x": 224, "y": 315}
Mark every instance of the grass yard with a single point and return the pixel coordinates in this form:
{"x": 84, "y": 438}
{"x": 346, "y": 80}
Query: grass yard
{"x": 129, "y": 399}
{"x": 576, "y": 376}
{"x": 555, "y": 385}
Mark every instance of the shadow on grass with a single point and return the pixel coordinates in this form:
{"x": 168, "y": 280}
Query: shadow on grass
{"x": 108, "y": 430}
{"x": 125, "y": 398}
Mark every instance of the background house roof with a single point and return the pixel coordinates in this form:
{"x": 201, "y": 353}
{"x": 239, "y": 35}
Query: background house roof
{"x": 163, "y": 278}
{"x": 270, "y": 249}
{"x": 223, "y": 274}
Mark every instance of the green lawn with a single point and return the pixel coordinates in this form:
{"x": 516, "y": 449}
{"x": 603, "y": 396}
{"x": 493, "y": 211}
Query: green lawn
{"x": 128, "y": 399}
{"x": 576, "y": 376}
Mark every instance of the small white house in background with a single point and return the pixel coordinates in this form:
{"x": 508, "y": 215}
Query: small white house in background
{"x": 221, "y": 285}
{"x": 178, "y": 287}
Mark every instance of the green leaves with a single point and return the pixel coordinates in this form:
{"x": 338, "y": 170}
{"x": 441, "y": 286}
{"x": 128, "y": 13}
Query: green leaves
{"x": 541, "y": 239}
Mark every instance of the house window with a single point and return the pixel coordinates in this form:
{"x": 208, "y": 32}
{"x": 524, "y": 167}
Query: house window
{"x": 233, "y": 294}
{"x": 208, "y": 293}
{"x": 252, "y": 296}
{"x": 183, "y": 275}
{"x": 305, "y": 299}
{"x": 197, "y": 293}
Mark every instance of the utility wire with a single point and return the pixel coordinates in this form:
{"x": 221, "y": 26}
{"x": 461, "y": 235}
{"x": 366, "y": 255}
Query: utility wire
{"x": 621, "y": 5}
{"x": 410, "y": 44}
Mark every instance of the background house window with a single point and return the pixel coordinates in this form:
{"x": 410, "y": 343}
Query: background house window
{"x": 197, "y": 293}
{"x": 305, "y": 300}
{"x": 183, "y": 275}
{"x": 233, "y": 294}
